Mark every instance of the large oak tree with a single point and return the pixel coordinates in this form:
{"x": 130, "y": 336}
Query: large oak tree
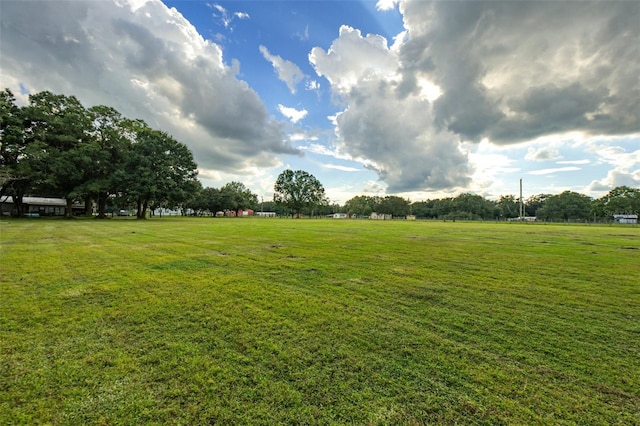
{"x": 15, "y": 176}
{"x": 59, "y": 148}
{"x": 298, "y": 190}
{"x": 158, "y": 171}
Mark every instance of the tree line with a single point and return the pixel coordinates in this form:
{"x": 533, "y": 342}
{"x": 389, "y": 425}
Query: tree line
{"x": 54, "y": 146}
{"x": 295, "y": 193}
{"x": 302, "y": 194}
{"x": 566, "y": 206}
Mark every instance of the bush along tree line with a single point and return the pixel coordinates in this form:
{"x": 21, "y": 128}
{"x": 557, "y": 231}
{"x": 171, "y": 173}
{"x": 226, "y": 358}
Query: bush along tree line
{"x": 56, "y": 147}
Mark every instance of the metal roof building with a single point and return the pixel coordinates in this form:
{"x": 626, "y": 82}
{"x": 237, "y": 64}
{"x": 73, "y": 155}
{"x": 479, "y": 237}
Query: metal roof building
{"x": 38, "y": 206}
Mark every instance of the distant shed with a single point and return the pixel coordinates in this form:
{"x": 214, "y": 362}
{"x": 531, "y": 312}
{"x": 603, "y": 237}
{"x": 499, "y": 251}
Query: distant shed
{"x": 380, "y": 216}
{"x": 626, "y": 218}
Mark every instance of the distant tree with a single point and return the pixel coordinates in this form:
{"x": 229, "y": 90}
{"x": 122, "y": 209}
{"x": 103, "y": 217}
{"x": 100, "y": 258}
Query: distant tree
{"x": 362, "y": 205}
{"x": 232, "y": 196}
{"x": 471, "y": 206}
{"x": 444, "y": 208}
{"x": 394, "y": 205}
{"x": 203, "y": 201}
{"x": 332, "y": 208}
{"x": 298, "y": 190}
{"x": 507, "y": 206}
{"x": 271, "y": 206}
{"x": 566, "y": 206}
{"x": 237, "y": 196}
{"x": 186, "y": 199}
{"x": 535, "y": 203}
{"x": 422, "y": 209}
{"x": 112, "y": 138}
{"x": 621, "y": 199}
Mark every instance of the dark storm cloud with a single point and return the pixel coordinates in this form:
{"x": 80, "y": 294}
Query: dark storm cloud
{"x": 513, "y": 71}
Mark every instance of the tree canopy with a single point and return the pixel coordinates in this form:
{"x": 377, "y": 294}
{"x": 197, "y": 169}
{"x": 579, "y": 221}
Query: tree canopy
{"x": 158, "y": 171}
{"x": 568, "y": 206}
{"x": 298, "y": 190}
{"x": 233, "y": 196}
{"x": 565, "y": 206}
{"x": 621, "y": 199}
{"x": 55, "y": 147}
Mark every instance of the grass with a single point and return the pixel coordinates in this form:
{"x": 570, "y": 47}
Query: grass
{"x": 281, "y": 321}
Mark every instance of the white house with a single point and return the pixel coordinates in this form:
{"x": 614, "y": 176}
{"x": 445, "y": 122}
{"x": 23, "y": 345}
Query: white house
{"x": 339, "y": 215}
{"x": 626, "y": 218}
{"x": 522, "y": 219}
{"x": 380, "y": 216}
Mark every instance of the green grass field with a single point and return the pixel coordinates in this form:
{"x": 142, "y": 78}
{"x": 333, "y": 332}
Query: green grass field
{"x": 282, "y": 321}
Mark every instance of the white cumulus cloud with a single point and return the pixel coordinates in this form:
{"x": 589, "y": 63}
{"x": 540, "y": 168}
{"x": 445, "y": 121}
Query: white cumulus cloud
{"x": 389, "y": 134}
{"x": 467, "y": 71}
{"x": 542, "y": 154}
{"x": 292, "y": 114}
{"x": 341, "y": 168}
{"x": 148, "y": 62}
{"x": 553, "y": 170}
{"x": 287, "y": 71}
{"x": 353, "y": 58}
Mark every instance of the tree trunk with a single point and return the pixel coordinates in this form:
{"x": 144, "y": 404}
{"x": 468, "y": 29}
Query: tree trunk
{"x": 68, "y": 214}
{"x": 102, "y": 205}
{"x": 138, "y": 208}
{"x": 88, "y": 206}
{"x": 142, "y": 209}
{"x": 18, "y": 204}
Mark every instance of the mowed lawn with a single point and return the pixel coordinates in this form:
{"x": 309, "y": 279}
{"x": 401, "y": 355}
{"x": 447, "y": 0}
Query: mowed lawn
{"x": 283, "y": 321}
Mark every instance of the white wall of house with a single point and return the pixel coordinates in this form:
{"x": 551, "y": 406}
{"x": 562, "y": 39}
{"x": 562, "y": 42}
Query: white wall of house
{"x": 626, "y": 218}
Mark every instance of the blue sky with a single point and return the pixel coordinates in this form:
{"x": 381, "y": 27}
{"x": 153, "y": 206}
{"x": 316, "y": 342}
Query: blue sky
{"x": 413, "y": 98}
{"x": 252, "y": 32}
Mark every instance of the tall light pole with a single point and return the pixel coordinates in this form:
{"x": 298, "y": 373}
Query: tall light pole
{"x": 521, "y": 202}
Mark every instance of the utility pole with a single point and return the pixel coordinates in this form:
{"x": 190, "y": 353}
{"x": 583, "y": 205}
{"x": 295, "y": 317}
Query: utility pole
{"x": 521, "y": 202}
